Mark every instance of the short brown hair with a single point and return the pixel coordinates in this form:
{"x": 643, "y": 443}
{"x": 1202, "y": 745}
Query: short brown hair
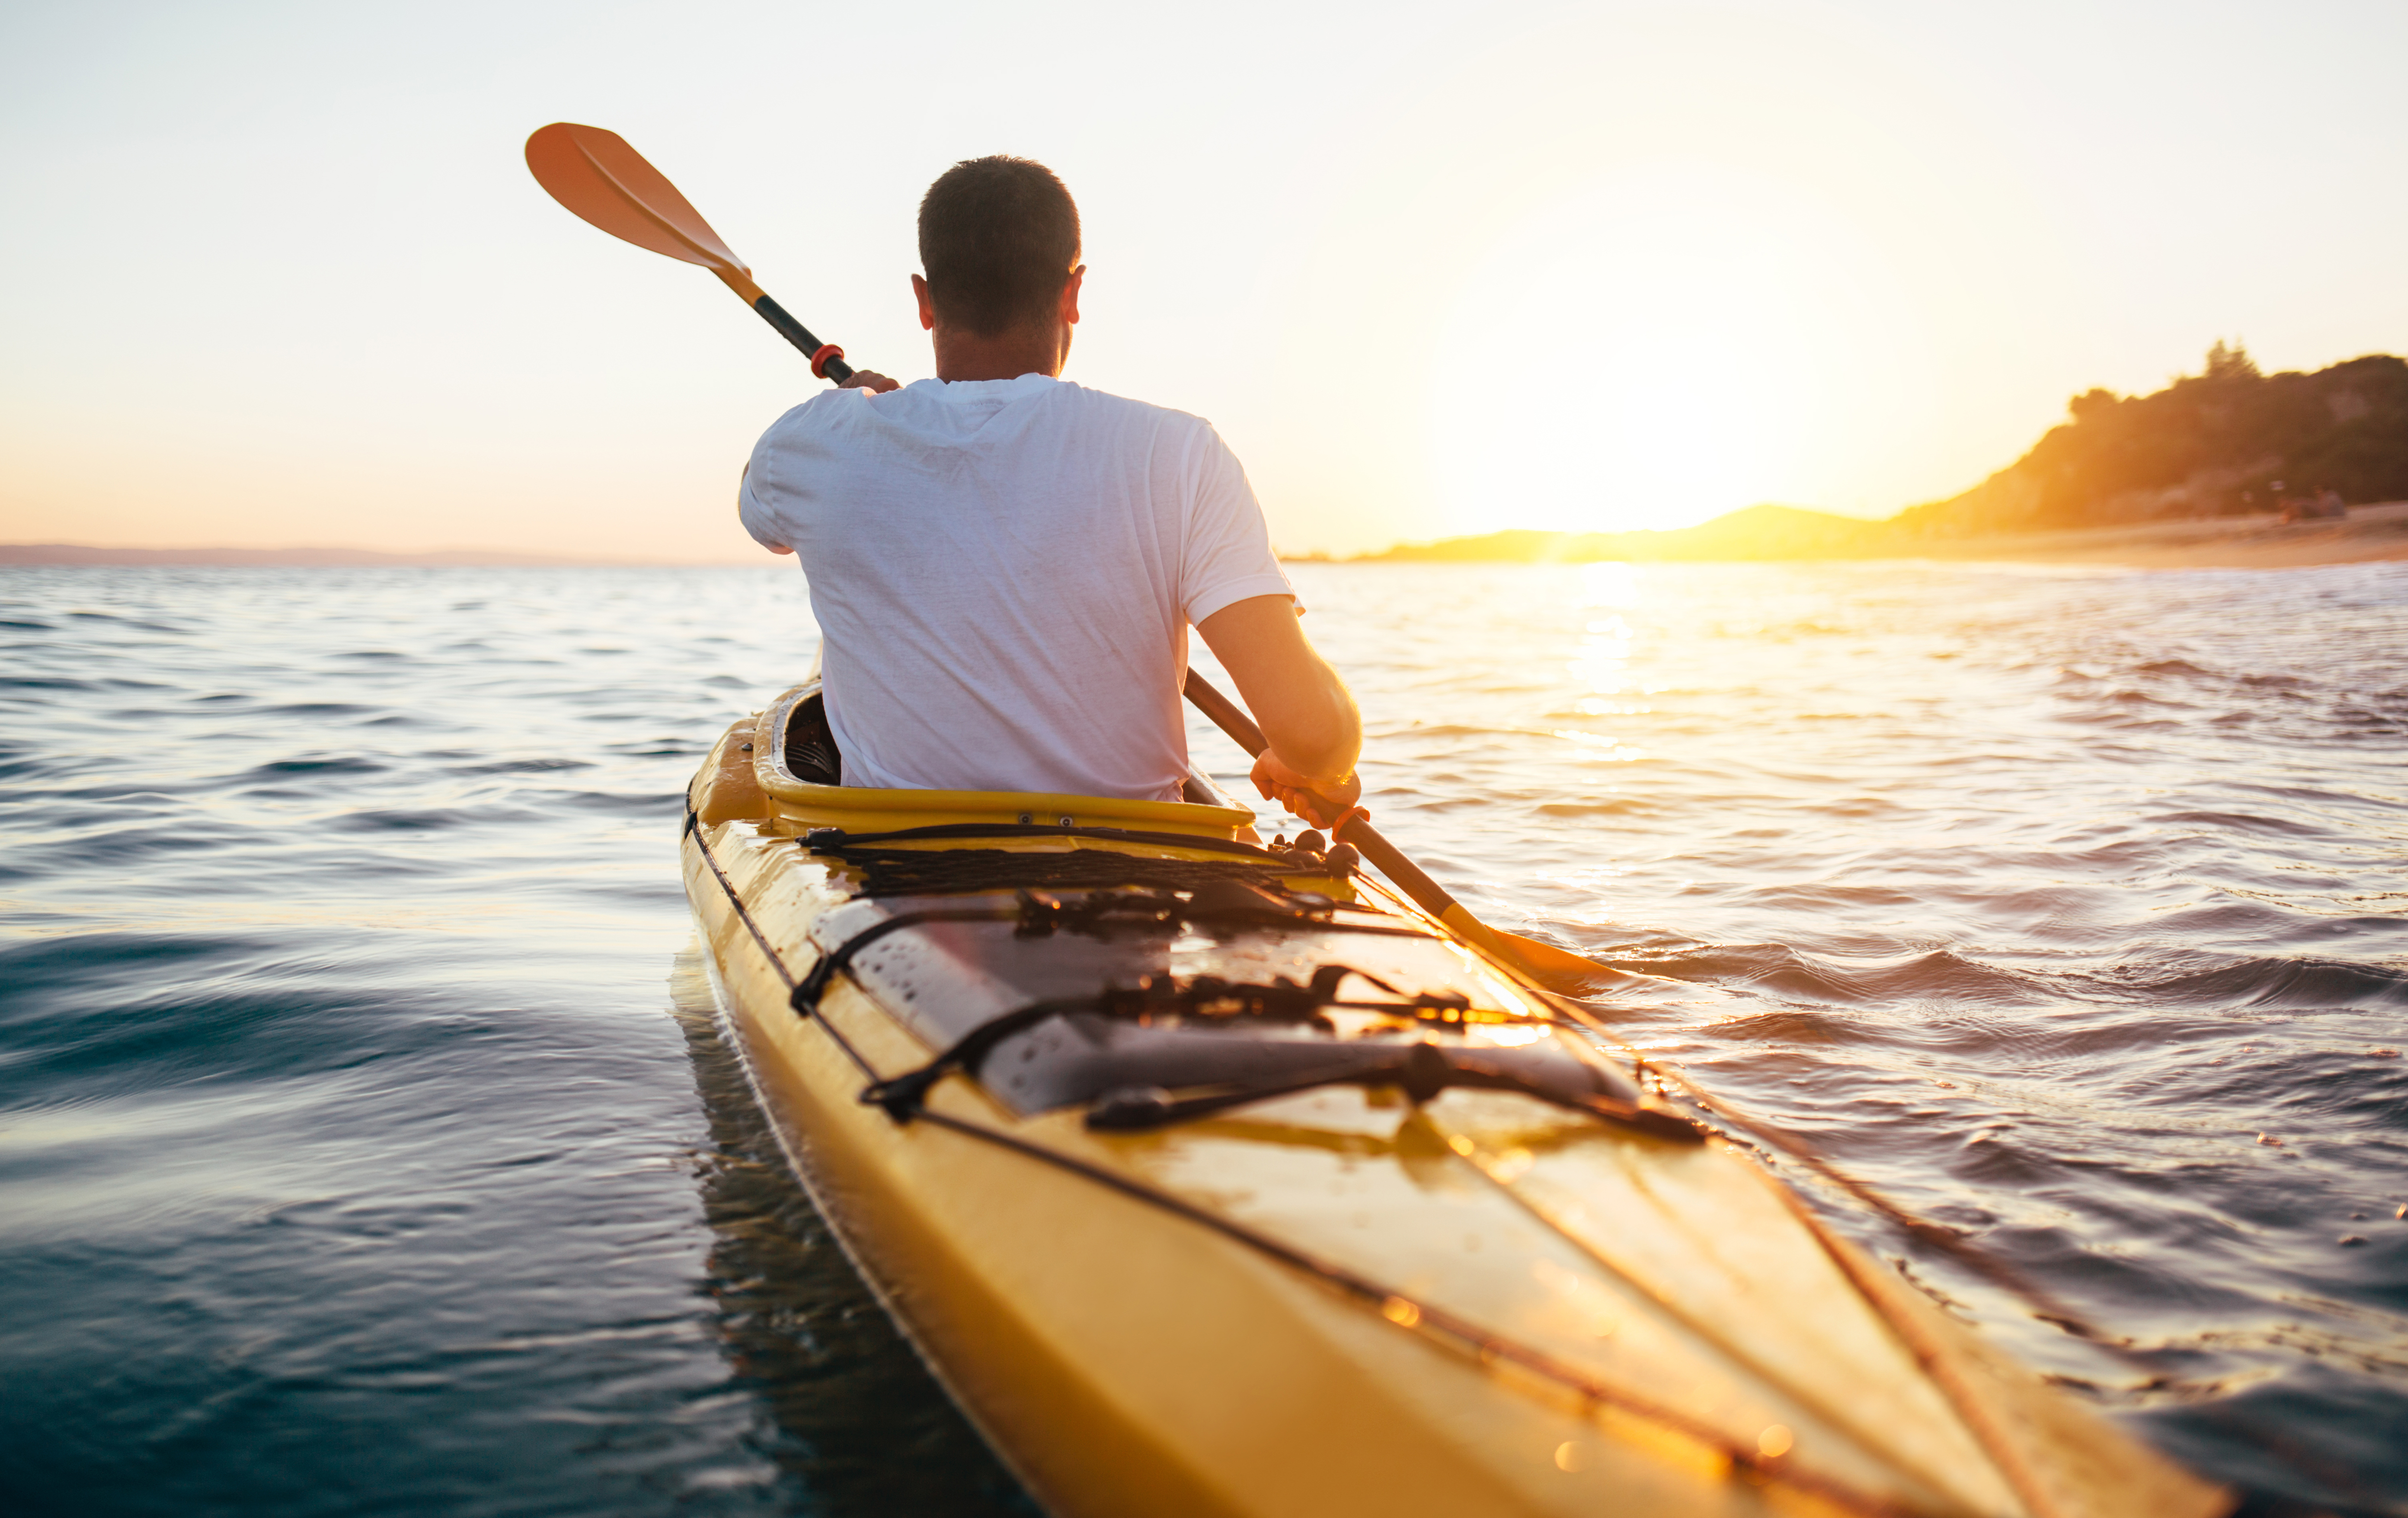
{"x": 999, "y": 236}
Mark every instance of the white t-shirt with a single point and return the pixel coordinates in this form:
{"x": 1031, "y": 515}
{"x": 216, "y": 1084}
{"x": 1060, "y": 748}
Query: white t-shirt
{"x": 1003, "y": 572}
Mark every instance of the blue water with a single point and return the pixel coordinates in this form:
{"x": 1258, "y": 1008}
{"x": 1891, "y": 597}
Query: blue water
{"x": 362, "y": 1147}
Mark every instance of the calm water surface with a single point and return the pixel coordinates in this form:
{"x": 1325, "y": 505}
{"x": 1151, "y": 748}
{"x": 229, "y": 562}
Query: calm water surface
{"x": 361, "y": 1149}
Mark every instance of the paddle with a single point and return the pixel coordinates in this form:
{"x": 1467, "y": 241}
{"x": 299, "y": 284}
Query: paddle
{"x": 597, "y": 175}
{"x": 1549, "y": 964}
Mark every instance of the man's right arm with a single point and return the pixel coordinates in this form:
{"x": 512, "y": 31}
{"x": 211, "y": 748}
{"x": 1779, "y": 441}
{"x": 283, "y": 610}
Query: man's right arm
{"x": 751, "y": 509}
{"x": 1302, "y": 706}
{"x": 745, "y": 512}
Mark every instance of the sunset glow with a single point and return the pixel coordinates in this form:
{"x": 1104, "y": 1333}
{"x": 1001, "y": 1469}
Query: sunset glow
{"x": 1624, "y": 266}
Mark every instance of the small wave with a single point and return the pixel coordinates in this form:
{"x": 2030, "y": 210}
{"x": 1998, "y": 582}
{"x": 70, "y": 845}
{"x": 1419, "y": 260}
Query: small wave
{"x": 1790, "y": 1025}
{"x": 349, "y": 765}
{"x": 1618, "y": 806}
{"x": 1451, "y": 729}
{"x": 1779, "y": 971}
{"x": 429, "y": 819}
{"x": 2221, "y": 822}
{"x": 2281, "y": 982}
{"x": 98, "y": 962}
{"x": 657, "y": 802}
{"x": 137, "y": 624}
{"x": 534, "y": 766}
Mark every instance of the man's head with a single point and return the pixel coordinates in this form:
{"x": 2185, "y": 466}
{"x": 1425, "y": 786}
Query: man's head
{"x": 999, "y": 240}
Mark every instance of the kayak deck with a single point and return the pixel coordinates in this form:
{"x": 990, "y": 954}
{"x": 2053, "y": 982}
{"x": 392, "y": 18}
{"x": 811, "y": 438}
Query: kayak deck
{"x": 1211, "y": 1180}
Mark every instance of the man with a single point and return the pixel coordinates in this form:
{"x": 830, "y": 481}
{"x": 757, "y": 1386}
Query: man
{"x": 1004, "y": 564}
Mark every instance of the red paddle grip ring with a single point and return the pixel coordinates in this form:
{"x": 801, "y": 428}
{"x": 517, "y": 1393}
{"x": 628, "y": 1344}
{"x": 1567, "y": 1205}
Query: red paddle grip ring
{"x": 820, "y": 357}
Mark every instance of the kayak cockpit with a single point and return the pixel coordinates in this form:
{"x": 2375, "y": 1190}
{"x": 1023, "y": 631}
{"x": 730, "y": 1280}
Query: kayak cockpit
{"x": 1137, "y": 959}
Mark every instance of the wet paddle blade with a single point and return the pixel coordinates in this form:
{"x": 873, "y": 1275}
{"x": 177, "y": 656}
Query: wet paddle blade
{"x": 1559, "y": 970}
{"x": 1549, "y": 963}
{"x": 596, "y": 174}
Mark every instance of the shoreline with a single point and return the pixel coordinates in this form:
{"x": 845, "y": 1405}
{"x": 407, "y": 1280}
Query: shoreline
{"x": 2374, "y": 534}
{"x": 2371, "y": 534}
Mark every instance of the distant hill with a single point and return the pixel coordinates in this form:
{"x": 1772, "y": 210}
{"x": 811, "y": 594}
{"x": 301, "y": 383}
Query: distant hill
{"x": 2229, "y": 441}
{"x": 2221, "y": 442}
{"x": 1757, "y": 532}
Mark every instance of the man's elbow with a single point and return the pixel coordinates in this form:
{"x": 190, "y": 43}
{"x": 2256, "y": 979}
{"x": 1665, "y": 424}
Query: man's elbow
{"x": 1327, "y": 743}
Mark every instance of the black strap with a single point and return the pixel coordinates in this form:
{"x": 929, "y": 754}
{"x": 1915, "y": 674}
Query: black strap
{"x": 1281, "y": 1001}
{"x": 813, "y": 986}
{"x": 1421, "y": 1070}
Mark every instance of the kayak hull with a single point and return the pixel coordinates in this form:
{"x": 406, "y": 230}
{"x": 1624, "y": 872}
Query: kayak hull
{"x": 1499, "y": 1308}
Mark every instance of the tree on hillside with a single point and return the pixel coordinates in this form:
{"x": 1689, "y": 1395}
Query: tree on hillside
{"x": 2092, "y": 404}
{"x": 2234, "y": 363}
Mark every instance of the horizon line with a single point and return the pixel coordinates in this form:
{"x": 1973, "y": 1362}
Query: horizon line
{"x": 327, "y": 555}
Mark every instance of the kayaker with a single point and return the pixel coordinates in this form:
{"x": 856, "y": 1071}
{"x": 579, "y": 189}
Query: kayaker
{"x": 1003, "y": 564}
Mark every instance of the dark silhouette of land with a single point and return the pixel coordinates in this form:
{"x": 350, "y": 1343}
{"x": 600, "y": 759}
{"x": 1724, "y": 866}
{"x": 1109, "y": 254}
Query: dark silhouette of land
{"x": 2225, "y": 465}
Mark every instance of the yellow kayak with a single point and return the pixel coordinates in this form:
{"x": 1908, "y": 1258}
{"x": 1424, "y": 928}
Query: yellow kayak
{"x": 1217, "y": 1179}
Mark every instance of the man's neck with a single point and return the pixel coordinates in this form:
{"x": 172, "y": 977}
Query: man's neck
{"x": 1007, "y": 356}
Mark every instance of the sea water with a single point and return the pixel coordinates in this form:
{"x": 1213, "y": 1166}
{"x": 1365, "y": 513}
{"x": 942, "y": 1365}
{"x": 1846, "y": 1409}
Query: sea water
{"x": 366, "y": 1145}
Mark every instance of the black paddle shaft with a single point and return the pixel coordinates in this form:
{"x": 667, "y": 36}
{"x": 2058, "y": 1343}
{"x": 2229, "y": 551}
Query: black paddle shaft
{"x": 800, "y": 336}
{"x": 1231, "y": 718}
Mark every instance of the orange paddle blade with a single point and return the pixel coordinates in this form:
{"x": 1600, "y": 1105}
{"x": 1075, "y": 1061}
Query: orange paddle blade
{"x": 597, "y": 175}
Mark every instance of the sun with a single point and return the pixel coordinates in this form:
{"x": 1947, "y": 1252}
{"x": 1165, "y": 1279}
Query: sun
{"x": 1659, "y": 347}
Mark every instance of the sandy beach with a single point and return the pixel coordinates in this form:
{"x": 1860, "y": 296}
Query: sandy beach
{"x": 2367, "y": 534}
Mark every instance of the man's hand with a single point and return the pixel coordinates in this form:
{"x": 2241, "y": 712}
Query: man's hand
{"x": 875, "y": 384}
{"x": 1324, "y": 803}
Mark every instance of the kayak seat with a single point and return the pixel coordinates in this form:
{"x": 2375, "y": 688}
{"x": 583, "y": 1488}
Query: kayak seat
{"x": 814, "y": 757}
{"x": 811, "y": 751}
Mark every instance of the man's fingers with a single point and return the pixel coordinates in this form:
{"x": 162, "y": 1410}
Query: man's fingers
{"x": 1277, "y": 782}
{"x": 1312, "y": 808}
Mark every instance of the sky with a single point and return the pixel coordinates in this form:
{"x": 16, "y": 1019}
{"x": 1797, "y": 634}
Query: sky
{"x": 276, "y": 275}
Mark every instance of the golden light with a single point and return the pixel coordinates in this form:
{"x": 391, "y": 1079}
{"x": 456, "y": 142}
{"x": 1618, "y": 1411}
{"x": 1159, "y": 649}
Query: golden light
{"x": 1664, "y": 344}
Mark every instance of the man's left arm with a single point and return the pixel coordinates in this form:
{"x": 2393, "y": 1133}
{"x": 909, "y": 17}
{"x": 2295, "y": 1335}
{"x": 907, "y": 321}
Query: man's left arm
{"x": 1240, "y": 601}
{"x": 1304, "y": 709}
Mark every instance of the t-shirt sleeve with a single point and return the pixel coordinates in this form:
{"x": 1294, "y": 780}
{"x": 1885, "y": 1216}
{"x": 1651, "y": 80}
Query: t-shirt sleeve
{"x": 1227, "y": 556}
{"x": 754, "y": 495}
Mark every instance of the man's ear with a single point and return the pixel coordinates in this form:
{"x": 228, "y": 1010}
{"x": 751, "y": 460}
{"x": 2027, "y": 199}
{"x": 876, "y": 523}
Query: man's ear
{"x": 1069, "y": 313}
{"x": 928, "y": 307}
